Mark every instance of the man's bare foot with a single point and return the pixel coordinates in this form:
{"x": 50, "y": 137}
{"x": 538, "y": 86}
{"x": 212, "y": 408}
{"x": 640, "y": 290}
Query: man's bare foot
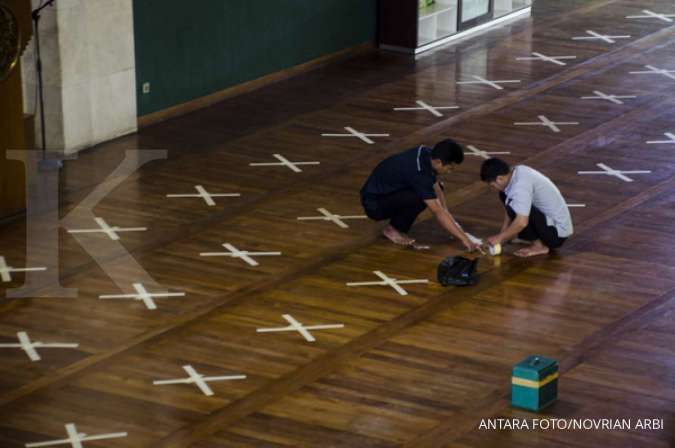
{"x": 397, "y": 237}
{"x": 537, "y": 248}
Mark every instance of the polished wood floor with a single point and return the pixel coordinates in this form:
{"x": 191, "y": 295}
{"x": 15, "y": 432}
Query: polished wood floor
{"x": 420, "y": 370}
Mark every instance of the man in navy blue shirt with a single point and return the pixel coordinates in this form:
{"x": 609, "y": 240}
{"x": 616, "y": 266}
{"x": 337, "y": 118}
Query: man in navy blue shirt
{"x": 403, "y": 185}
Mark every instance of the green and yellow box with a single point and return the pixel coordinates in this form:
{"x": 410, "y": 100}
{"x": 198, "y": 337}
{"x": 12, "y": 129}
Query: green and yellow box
{"x": 534, "y": 383}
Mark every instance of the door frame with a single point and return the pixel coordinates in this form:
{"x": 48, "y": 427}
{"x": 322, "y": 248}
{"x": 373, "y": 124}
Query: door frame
{"x": 461, "y": 26}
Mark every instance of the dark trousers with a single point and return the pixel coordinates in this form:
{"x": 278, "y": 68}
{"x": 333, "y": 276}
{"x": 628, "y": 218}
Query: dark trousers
{"x": 536, "y": 229}
{"x": 401, "y": 208}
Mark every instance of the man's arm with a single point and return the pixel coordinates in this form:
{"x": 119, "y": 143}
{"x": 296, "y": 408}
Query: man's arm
{"x": 520, "y": 201}
{"x": 446, "y": 220}
{"x": 440, "y": 194}
{"x": 511, "y": 231}
{"x": 505, "y": 223}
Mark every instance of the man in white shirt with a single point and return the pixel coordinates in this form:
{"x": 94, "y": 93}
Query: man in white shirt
{"x": 535, "y": 211}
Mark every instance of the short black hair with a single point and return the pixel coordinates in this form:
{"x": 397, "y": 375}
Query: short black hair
{"x": 448, "y": 151}
{"x": 492, "y": 168}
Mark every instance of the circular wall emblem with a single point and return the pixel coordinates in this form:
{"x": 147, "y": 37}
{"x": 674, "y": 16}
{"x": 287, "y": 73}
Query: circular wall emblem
{"x": 10, "y": 41}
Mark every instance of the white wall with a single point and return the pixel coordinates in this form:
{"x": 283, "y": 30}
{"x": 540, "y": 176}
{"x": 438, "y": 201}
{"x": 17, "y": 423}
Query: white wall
{"x": 89, "y": 75}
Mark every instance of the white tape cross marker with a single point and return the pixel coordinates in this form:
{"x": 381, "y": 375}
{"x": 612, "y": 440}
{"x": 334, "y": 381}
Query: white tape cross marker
{"x": 30, "y": 347}
{"x": 6, "y": 271}
{"x": 616, "y": 173}
{"x": 354, "y": 133}
{"x": 205, "y": 195}
{"x": 616, "y": 99}
{"x": 651, "y": 70}
{"x": 480, "y": 153}
{"x": 236, "y": 253}
{"x": 143, "y": 295}
{"x": 283, "y": 161}
{"x": 542, "y": 57}
{"x": 434, "y": 110}
{"x": 389, "y": 281}
{"x": 199, "y": 380}
{"x": 300, "y": 328}
{"x": 544, "y": 121}
{"x": 492, "y": 83}
{"x": 75, "y": 439}
{"x": 111, "y": 232}
{"x": 653, "y": 15}
{"x": 670, "y": 141}
{"x": 592, "y": 35}
{"x": 328, "y": 216}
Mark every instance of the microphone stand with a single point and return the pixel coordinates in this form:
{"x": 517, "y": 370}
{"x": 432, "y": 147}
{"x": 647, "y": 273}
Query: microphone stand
{"x": 45, "y": 163}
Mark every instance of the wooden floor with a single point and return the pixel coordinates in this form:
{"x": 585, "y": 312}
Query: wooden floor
{"x": 420, "y": 370}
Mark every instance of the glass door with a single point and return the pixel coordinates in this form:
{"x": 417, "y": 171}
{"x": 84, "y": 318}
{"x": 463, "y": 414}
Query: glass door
{"x": 474, "y": 12}
{"x": 503, "y": 7}
{"x": 436, "y": 19}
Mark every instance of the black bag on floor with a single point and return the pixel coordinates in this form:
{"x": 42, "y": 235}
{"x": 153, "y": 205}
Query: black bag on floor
{"x": 458, "y": 271}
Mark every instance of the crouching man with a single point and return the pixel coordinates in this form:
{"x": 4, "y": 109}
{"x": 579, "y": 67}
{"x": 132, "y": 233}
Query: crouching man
{"x": 405, "y": 184}
{"x": 535, "y": 211}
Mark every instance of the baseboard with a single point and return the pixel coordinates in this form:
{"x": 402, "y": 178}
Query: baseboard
{"x": 12, "y": 217}
{"x": 208, "y": 100}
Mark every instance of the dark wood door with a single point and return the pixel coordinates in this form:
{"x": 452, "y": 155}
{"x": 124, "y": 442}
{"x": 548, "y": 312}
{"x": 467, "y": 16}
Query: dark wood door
{"x": 16, "y": 23}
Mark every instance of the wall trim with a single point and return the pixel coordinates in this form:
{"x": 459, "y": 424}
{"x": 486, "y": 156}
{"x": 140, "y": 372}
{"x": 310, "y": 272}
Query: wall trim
{"x": 248, "y": 86}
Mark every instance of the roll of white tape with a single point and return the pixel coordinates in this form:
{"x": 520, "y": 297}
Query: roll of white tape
{"x": 495, "y": 250}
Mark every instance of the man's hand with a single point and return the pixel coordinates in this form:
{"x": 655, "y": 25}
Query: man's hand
{"x": 471, "y": 246}
{"x": 494, "y": 240}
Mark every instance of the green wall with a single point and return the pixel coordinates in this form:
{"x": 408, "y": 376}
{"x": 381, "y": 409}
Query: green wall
{"x": 190, "y": 49}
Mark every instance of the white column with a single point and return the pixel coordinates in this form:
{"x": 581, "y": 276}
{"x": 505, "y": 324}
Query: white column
{"x": 89, "y": 72}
